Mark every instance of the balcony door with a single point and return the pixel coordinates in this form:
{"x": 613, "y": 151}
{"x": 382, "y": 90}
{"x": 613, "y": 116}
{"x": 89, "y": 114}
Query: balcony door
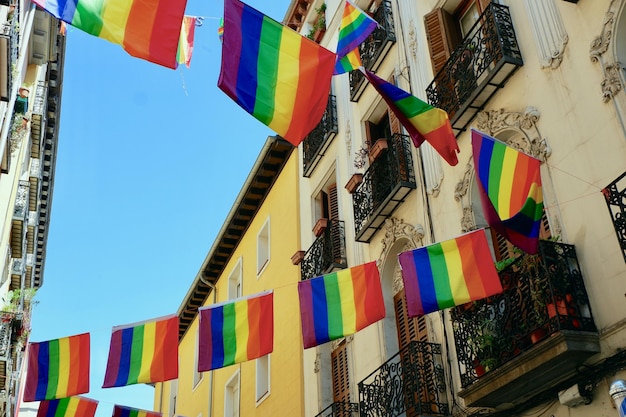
{"x": 340, "y": 376}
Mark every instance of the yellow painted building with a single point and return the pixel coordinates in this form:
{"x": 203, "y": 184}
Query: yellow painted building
{"x": 251, "y": 254}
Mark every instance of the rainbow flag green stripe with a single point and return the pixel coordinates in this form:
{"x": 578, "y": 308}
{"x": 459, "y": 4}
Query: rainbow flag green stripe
{"x": 68, "y": 407}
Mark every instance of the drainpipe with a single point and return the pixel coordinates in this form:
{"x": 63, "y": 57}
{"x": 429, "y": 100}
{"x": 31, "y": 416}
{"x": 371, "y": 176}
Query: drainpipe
{"x": 618, "y": 394}
{"x": 214, "y": 292}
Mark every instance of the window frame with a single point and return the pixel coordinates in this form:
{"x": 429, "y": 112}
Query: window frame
{"x": 260, "y": 397}
{"x": 263, "y": 247}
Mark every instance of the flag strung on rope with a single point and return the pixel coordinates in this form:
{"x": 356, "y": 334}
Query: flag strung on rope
{"x": 236, "y": 331}
{"x": 220, "y": 30}
{"x": 185, "y": 43}
{"x": 348, "y": 63}
{"x": 421, "y": 120}
{"x": 58, "y": 368}
{"x": 509, "y": 183}
{"x": 146, "y": 29}
{"x": 354, "y": 29}
{"x": 340, "y": 303}
{"x": 275, "y": 74}
{"x": 448, "y": 273}
{"x": 143, "y": 352}
{"x": 122, "y": 411}
{"x": 68, "y": 407}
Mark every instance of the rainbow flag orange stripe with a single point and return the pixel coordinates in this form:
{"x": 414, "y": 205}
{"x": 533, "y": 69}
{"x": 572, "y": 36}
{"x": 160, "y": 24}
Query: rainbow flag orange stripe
{"x": 341, "y": 303}
{"x": 275, "y": 74}
{"x": 146, "y": 29}
{"x": 349, "y": 62}
{"x": 236, "y": 331}
{"x": 68, "y": 407}
{"x": 448, "y": 274}
{"x": 122, "y": 411}
{"x": 185, "y": 43}
{"x": 143, "y": 352}
{"x": 509, "y": 182}
{"x": 58, "y": 368}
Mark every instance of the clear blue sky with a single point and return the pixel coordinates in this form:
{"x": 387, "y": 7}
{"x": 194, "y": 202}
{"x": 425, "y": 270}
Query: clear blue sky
{"x": 149, "y": 163}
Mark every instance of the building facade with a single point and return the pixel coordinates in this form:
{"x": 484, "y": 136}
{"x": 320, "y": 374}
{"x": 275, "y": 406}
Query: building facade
{"x": 32, "y": 52}
{"x": 547, "y": 78}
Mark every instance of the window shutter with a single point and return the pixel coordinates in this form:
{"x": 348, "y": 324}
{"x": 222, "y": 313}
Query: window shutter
{"x": 394, "y": 122}
{"x": 371, "y": 133}
{"x": 333, "y": 204}
{"x": 341, "y": 379}
{"x": 409, "y": 328}
{"x": 443, "y": 35}
{"x": 484, "y": 4}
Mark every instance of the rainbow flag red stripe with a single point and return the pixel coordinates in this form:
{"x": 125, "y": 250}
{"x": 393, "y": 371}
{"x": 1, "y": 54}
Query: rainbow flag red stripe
{"x": 275, "y": 74}
{"x": 448, "y": 274}
{"x": 146, "y": 29}
{"x": 355, "y": 27}
{"x": 236, "y": 331}
{"x": 509, "y": 182}
{"x": 421, "y": 120}
{"x": 68, "y": 407}
{"x": 185, "y": 43}
{"x": 341, "y": 303}
{"x": 122, "y": 411}
{"x": 58, "y": 368}
{"x": 143, "y": 352}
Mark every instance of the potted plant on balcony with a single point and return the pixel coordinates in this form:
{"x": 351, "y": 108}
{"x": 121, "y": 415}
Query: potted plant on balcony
{"x": 377, "y": 149}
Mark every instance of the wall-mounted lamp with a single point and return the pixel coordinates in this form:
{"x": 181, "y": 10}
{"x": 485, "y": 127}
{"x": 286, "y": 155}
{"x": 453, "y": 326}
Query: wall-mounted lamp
{"x": 618, "y": 393}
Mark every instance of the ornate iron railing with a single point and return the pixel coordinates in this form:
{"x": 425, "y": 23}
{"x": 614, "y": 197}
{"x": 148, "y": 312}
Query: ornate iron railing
{"x": 543, "y": 294}
{"x": 340, "y": 409}
{"x": 10, "y": 32}
{"x": 328, "y": 252}
{"x": 316, "y": 142}
{"x": 374, "y": 49}
{"x": 6, "y": 319}
{"x": 20, "y": 210}
{"x": 411, "y": 383}
{"x": 385, "y": 184}
{"x": 615, "y": 196}
{"x": 488, "y": 55}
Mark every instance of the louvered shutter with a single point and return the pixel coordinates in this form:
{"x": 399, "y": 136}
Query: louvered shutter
{"x": 484, "y": 4}
{"x": 394, "y": 122}
{"x": 443, "y": 34}
{"x": 335, "y": 231}
{"x": 341, "y": 378}
{"x": 409, "y": 328}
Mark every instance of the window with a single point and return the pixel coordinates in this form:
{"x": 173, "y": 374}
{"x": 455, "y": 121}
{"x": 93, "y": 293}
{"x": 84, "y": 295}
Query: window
{"x": 263, "y": 247}
{"x": 340, "y": 376}
{"x": 231, "y": 396}
{"x": 197, "y": 376}
{"x": 262, "y": 378}
{"x": 173, "y": 392}
{"x": 234, "y": 281}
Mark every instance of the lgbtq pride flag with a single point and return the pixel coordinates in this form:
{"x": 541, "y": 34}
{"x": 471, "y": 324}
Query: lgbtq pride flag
{"x": 143, "y": 352}
{"x": 68, "y": 407}
{"x": 341, "y": 303}
{"x": 58, "y": 368}
{"x": 185, "y": 43}
{"x": 355, "y": 27}
{"x": 509, "y": 182}
{"x": 449, "y": 273}
{"x": 122, "y": 411}
{"x": 275, "y": 74}
{"x": 146, "y": 29}
{"x": 349, "y": 62}
{"x": 236, "y": 331}
{"x": 421, "y": 120}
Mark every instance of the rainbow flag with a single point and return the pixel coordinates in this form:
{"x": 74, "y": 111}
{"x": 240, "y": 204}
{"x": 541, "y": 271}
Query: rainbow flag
{"x": 146, "y": 29}
{"x": 68, "y": 407}
{"x": 143, "y": 352}
{"x": 58, "y": 368}
{"x": 509, "y": 183}
{"x": 236, "y": 331}
{"x": 355, "y": 27}
{"x": 448, "y": 274}
{"x": 275, "y": 74}
{"x": 421, "y": 120}
{"x": 220, "y": 30}
{"x": 185, "y": 42}
{"x": 340, "y": 303}
{"x": 122, "y": 411}
{"x": 349, "y": 62}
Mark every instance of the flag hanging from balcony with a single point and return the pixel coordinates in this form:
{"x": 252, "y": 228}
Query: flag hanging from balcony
{"x": 185, "y": 42}
{"x": 421, "y": 120}
{"x": 68, "y": 407}
{"x": 354, "y": 29}
{"x": 350, "y": 62}
{"x": 236, "y": 331}
{"x": 448, "y": 273}
{"x": 143, "y": 352}
{"x": 340, "y": 303}
{"x": 122, "y": 411}
{"x": 58, "y": 368}
{"x": 275, "y": 74}
{"x": 509, "y": 183}
{"x": 146, "y": 29}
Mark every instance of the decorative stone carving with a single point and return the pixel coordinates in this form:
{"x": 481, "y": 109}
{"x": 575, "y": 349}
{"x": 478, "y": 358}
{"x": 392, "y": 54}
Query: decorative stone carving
{"x": 461, "y": 188}
{"x": 461, "y": 194}
{"x": 395, "y": 229}
{"x": 412, "y": 40}
{"x": 318, "y": 363}
{"x": 549, "y": 31}
{"x": 601, "y": 43}
{"x": 612, "y": 82}
{"x": 335, "y": 343}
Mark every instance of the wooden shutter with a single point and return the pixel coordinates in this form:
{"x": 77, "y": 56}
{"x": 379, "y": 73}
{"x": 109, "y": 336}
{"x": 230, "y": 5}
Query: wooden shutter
{"x": 409, "y": 328}
{"x": 394, "y": 122}
{"x": 443, "y": 34}
{"x": 335, "y": 231}
{"x": 333, "y": 204}
{"x": 483, "y": 4}
{"x": 341, "y": 378}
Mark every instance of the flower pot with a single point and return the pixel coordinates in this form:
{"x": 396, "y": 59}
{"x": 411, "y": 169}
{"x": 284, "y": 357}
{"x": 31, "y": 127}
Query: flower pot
{"x": 297, "y": 257}
{"x": 538, "y": 335}
{"x": 320, "y": 226}
{"x": 354, "y": 182}
{"x": 377, "y": 149}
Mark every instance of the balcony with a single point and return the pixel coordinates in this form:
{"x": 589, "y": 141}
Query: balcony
{"x": 530, "y": 338}
{"x": 327, "y": 253}
{"x": 374, "y": 49}
{"x": 411, "y": 383}
{"x": 487, "y": 57}
{"x": 38, "y": 118}
{"x": 316, "y": 143}
{"x": 8, "y": 56}
{"x": 20, "y": 215}
{"x": 340, "y": 409}
{"x": 386, "y": 184}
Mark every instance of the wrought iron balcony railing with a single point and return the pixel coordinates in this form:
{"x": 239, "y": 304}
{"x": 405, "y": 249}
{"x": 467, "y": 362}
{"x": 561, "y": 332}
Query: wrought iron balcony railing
{"x": 615, "y": 196}
{"x": 9, "y": 44}
{"x": 20, "y": 211}
{"x": 374, "y": 49}
{"x": 386, "y": 183}
{"x": 487, "y": 57}
{"x": 544, "y": 298}
{"x": 340, "y": 409}
{"x": 327, "y": 253}
{"x": 316, "y": 142}
{"x": 411, "y": 383}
